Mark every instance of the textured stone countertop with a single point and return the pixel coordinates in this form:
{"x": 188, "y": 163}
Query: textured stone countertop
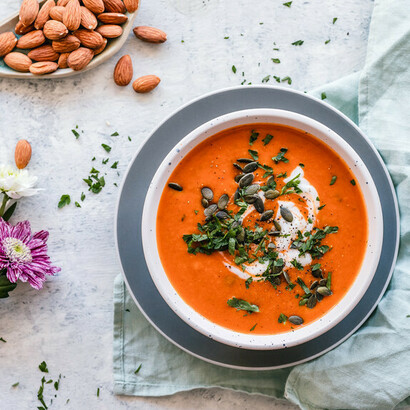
{"x": 69, "y": 323}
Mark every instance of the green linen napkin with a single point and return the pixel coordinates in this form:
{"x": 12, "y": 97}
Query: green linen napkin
{"x": 371, "y": 370}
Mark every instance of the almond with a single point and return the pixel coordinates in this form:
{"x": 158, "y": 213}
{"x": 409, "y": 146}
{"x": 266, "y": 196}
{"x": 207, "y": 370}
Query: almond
{"x": 89, "y": 38}
{"x": 109, "y": 30}
{"x": 101, "y": 48}
{"x": 114, "y": 6}
{"x": 112, "y": 18}
{"x": 88, "y": 20}
{"x": 131, "y": 5}
{"x": 123, "y": 71}
{"x": 79, "y": 59}
{"x": 146, "y": 83}
{"x": 44, "y": 14}
{"x": 150, "y": 34}
{"x": 22, "y": 29}
{"x": 43, "y": 53}
{"x": 7, "y": 42}
{"x": 72, "y": 15}
{"x": 62, "y": 3}
{"x": 43, "y": 67}
{"x": 62, "y": 60}
{"x": 18, "y": 61}
{"x": 28, "y": 12}
{"x": 96, "y": 6}
{"x": 22, "y": 154}
{"x": 67, "y": 44}
{"x": 55, "y": 30}
{"x": 57, "y": 13}
{"x": 31, "y": 40}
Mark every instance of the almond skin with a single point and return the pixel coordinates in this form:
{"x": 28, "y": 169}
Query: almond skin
{"x": 88, "y": 19}
{"x": 31, "y": 40}
{"x": 109, "y": 30}
{"x": 62, "y": 3}
{"x": 146, "y": 83}
{"x": 72, "y": 15}
{"x": 43, "y": 53}
{"x": 96, "y": 6}
{"x": 67, "y": 44}
{"x": 62, "y": 60}
{"x": 57, "y": 13}
{"x": 150, "y": 34}
{"x": 43, "y": 67}
{"x": 131, "y": 5}
{"x": 112, "y": 18}
{"x": 28, "y": 12}
{"x": 114, "y": 6}
{"x": 22, "y": 154}
{"x": 89, "y": 38}
{"x": 79, "y": 59}
{"x": 123, "y": 71}
{"x": 7, "y": 42}
{"x": 18, "y": 61}
{"x": 44, "y": 14}
{"x": 101, "y": 48}
{"x": 55, "y": 30}
{"x": 21, "y": 29}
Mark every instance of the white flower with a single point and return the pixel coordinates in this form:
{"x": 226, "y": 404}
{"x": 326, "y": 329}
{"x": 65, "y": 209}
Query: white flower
{"x": 16, "y": 183}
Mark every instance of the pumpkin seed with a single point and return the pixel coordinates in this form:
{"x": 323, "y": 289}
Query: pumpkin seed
{"x": 267, "y": 215}
{"x": 295, "y": 320}
{"x": 286, "y": 214}
{"x": 250, "y": 199}
{"x": 240, "y": 236}
{"x": 314, "y": 285}
{"x": 238, "y": 177}
{"x": 317, "y": 273}
{"x": 204, "y": 202}
{"x": 270, "y": 181}
{"x": 271, "y": 194}
{"x": 319, "y": 297}
{"x": 246, "y": 180}
{"x": 311, "y": 303}
{"x": 221, "y": 215}
{"x": 223, "y": 201}
{"x": 174, "y": 185}
{"x": 236, "y": 195}
{"x": 273, "y": 232}
{"x": 277, "y": 225}
{"x": 210, "y": 210}
{"x": 235, "y": 224}
{"x": 323, "y": 290}
{"x": 295, "y": 245}
{"x": 276, "y": 281}
{"x": 207, "y": 193}
{"x": 237, "y": 166}
{"x": 323, "y": 282}
{"x": 252, "y": 166}
{"x": 259, "y": 206}
{"x": 245, "y": 160}
{"x": 287, "y": 278}
{"x": 276, "y": 269}
{"x": 271, "y": 246}
{"x": 251, "y": 189}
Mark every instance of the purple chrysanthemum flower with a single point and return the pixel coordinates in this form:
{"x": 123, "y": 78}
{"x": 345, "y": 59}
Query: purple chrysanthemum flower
{"x": 23, "y": 255}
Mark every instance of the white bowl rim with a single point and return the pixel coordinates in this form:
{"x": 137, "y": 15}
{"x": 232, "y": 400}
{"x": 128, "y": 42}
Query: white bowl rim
{"x": 256, "y": 341}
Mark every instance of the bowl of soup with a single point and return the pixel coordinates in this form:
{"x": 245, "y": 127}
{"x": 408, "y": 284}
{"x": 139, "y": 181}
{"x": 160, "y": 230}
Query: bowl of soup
{"x": 262, "y": 229}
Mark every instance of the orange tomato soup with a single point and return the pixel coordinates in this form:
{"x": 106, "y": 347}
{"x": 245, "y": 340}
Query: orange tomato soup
{"x": 205, "y": 282}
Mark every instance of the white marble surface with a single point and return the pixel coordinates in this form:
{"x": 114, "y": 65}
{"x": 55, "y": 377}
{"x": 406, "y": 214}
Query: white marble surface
{"x": 69, "y": 323}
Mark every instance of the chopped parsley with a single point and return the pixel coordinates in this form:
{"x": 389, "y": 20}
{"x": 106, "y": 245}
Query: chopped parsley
{"x": 77, "y": 204}
{"x": 281, "y": 156}
{"x": 82, "y": 196}
{"x": 282, "y": 318}
{"x": 334, "y": 20}
{"x": 76, "y": 134}
{"x": 276, "y": 78}
{"x": 253, "y": 327}
{"x": 287, "y": 4}
{"x": 253, "y": 154}
{"x": 298, "y": 43}
{"x": 287, "y": 79}
{"x": 275, "y": 60}
{"x": 266, "y": 79}
{"x": 296, "y": 264}
{"x": 98, "y": 392}
{"x": 267, "y": 139}
{"x": 353, "y": 182}
{"x": 234, "y": 69}
{"x": 254, "y": 136}
{"x": 15, "y": 384}
{"x": 327, "y": 41}
{"x": 106, "y": 147}
{"x": 301, "y": 165}
{"x": 104, "y": 161}
{"x": 3, "y": 340}
{"x": 321, "y": 207}
{"x": 114, "y": 165}
{"x": 129, "y": 139}
{"x": 94, "y": 181}
{"x": 226, "y": 38}
{"x": 248, "y": 282}
{"x": 323, "y": 96}
{"x": 333, "y": 180}
{"x": 138, "y": 370}
{"x": 43, "y": 367}
{"x": 115, "y": 134}
{"x": 64, "y": 200}
{"x": 240, "y": 304}
{"x": 291, "y": 186}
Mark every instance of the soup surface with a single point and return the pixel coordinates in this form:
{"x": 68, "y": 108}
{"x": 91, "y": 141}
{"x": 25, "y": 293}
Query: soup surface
{"x": 284, "y": 245}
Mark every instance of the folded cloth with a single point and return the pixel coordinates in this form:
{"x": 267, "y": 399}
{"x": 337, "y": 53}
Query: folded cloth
{"x": 371, "y": 369}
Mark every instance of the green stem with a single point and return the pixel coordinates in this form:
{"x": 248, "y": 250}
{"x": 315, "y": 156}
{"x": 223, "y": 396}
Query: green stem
{"x": 3, "y": 205}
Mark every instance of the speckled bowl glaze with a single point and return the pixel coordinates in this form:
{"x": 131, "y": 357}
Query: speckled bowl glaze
{"x": 304, "y": 333}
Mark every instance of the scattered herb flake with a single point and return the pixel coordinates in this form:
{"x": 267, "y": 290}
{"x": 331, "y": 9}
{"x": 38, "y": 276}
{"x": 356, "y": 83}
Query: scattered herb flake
{"x": 77, "y": 204}
{"x": 296, "y": 264}
{"x": 76, "y": 134}
{"x": 98, "y": 392}
{"x": 3, "y": 340}
{"x": 115, "y": 134}
{"x": 106, "y": 147}
{"x": 287, "y": 79}
{"x": 64, "y": 200}
{"x": 301, "y": 165}
{"x": 275, "y": 60}
{"x": 253, "y": 327}
{"x": 248, "y": 282}
{"x": 129, "y": 139}
{"x": 327, "y": 41}
{"x": 329, "y": 280}
{"x": 267, "y": 139}
{"x": 254, "y": 136}
{"x": 323, "y": 96}
{"x": 240, "y": 304}
{"x": 266, "y": 79}
{"x": 234, "y": 69}
{"x": 253, "y": 154}
{"x": 82, "y": 196}
{"x": 321, "y": 207}
{"x": 333, "y": 180}
{"x": 104, "y": 161}
{"x": 282, "y": 318}
{"x": 114, "y": 165}
{"x": 276, "y": 78}
{"x": 334, "y": 20}
{"x": 298, "y": 43}
{"x": 43, "y": 367}
{"x": 353, "y": 182}
{"x": 226, "y": 38}
{"x": 139, "y": 368}
{"x": 196, "y": 211}
{"x": 15, "y": 384}
{"x": 281, "y": 156}
{"x": 287, "y": 4}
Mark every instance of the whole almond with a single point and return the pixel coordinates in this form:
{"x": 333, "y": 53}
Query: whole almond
{"x": 131, "y": 5}
{"x": 101, "y": 48}
{"x": 62, "y": 60}
{"x": 146, "y": 83}
{"x": 114, "y": 6}
{"x": 67, "y": 44}
{"x": 22, "y": 154}
{"x": 62, "y": 3}
{"x": 31, "y": 40}
{"x": 112, "y": 18}
{"x": 44, "y": 14}
{"x": 88, "y": 19}
{"x": 109, "y": 30}
{"x": 123, "y": 71}
{"x": 96, "y": 6}
{"x": 57, "y": 13}
{"x": 150, "y": 34}
{"x": 89, "y": 38}
{"x": 43, "y": 67}
{"x": 55, "y": 30}
{"x": 21, "y": 29}
{"x": 43, "y": 53}
{"x": 7, "y": 42}
{"x": 72, "y": 15}
{"x": 79, "y": 59}
{"x": 28, "y": 12}
{"x": 18, "y": 61}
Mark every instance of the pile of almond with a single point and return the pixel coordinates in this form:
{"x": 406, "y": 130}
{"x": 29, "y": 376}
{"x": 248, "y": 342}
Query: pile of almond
{"x": 68, "y": 33}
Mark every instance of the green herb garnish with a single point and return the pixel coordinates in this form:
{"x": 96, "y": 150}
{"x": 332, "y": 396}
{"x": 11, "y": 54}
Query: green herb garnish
{"x": 3, "y": 340}
{"x": 282, "y": 318}
{"x": 77, "y": 204}
{"x": 303, "y": 286}
{"x": 333, "y": 180}
{"x": 254, "y": 136}
{"x": 321, "y": 207}
{"x": 287, "y": 79}
{"x": 353, "y": 182}
{"x": 248, "y": 282}
{"x": 106, "y": 147}
{"x": 76, "y": 134}
{"x": 287, "y": 4}
{"x": 240, "y": 304}
{"x": 298, "y": 43}
{"x": 253, "y": 327}
{"x": 281, "y": 156}
{"x": 115, "y": 134}
{"x": 327, "y": 41}
{"x": 234, "y": 69}
{"x": 334, "y": 20}
{"x": 64, "y": 200}
{"x": 82, "y": 196}
{"x": 138, "y": 370}
{"x": 98, "y": 392}
{"x": 15, "y": 384}
{"x": 253, "y": 154}
{"x": 296, "y": 264}
{"x": 291, "y": 186}
{"x": 267, "y": 139}
{"x": 275, "y": 60}
{"x": 266, "y": 79}
{"x": 323, "y": 96}
{"x": 329, "y": 280}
